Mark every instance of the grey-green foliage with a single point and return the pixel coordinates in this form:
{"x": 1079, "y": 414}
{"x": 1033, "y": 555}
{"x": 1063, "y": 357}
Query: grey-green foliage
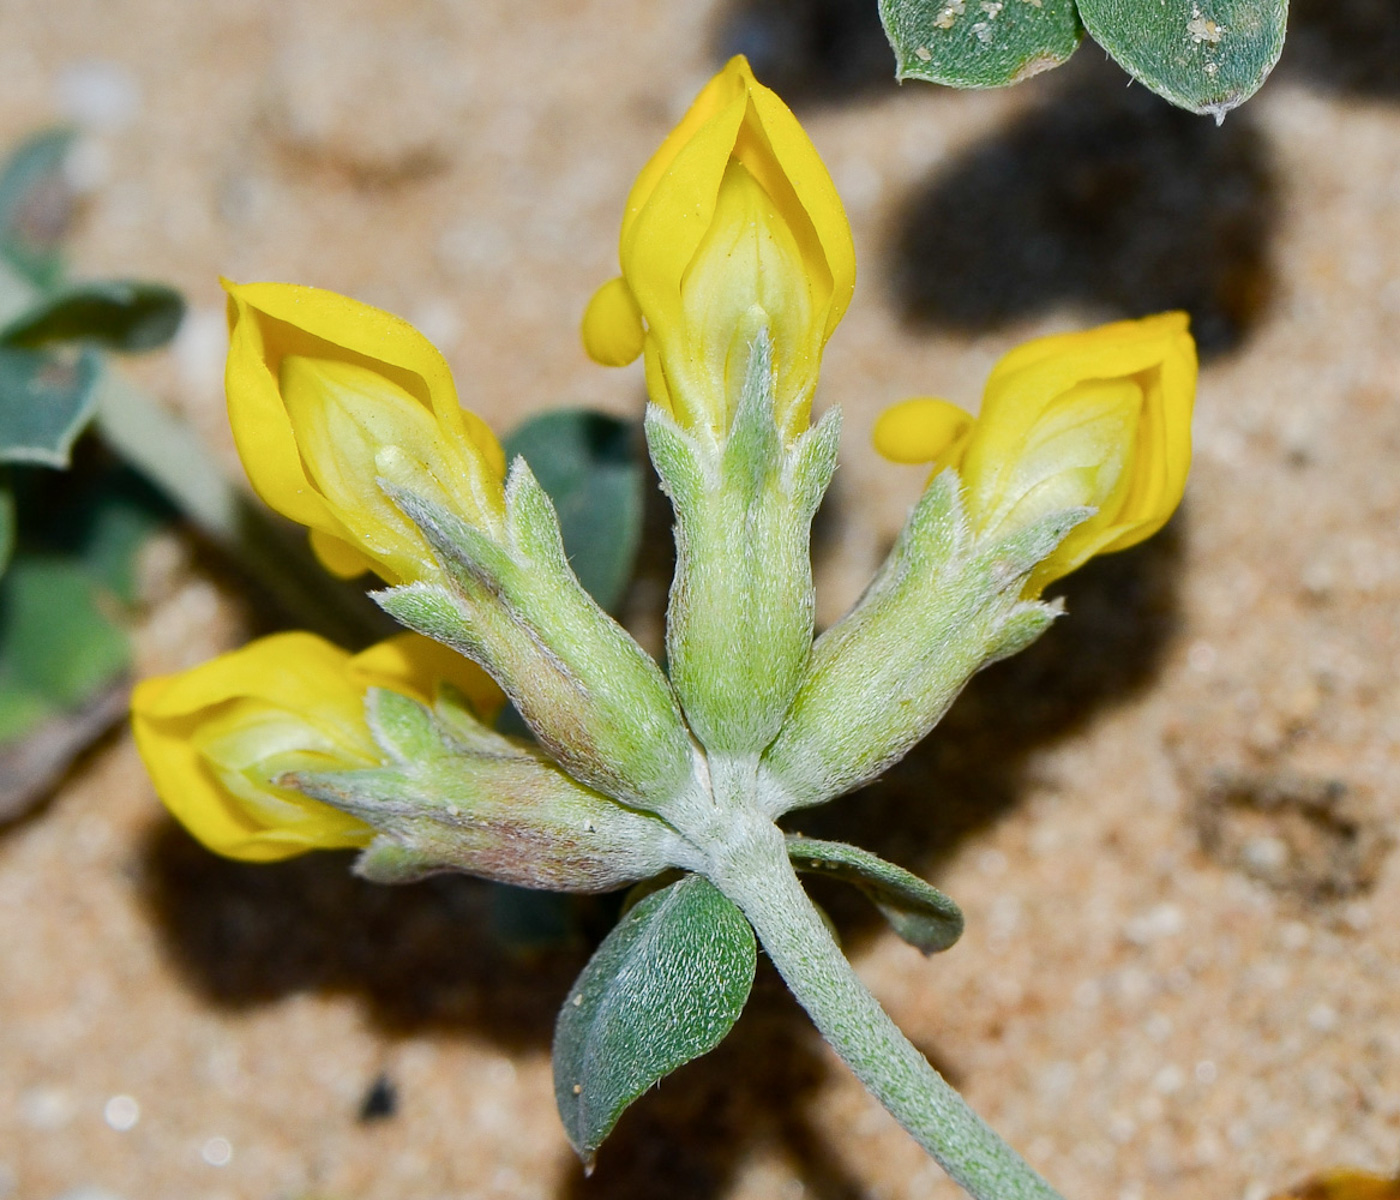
{"x": 1207, "y": 56}
{"x": 35, "y": 206}
{"x": 944, "y": 604}
{"x": 46, "y": 401}
{"x": 70, "y": 550}
{"x": 979, "y": 43}
{"x": 592, "y": 696}
{"x": 454, "y": 794}
{"x": 665, "y": 987}
{"x": 739, "y": 625}
{"x": 57, "y": 645}
{"x": 917, "y": 911}
{"x": 117, "y": 314}
{"x": 64, "y": 601}
{"x": 52, "y": 328}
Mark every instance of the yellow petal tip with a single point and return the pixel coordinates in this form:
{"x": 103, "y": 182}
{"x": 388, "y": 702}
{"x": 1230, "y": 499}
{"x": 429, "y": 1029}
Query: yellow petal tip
{"x": 612, "y": 325}
{"x": 921, "y": 430}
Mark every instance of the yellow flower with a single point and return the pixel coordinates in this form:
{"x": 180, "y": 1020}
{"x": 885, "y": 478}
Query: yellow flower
{"x": 328, "y": 396}
{"x": 216, "y": 738}
{"x": 733, "y": 225}
{"x": 1099, "y": 419}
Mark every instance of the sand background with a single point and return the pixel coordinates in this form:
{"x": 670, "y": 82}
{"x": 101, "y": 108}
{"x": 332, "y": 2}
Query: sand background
{"x": 1169, "y": 822}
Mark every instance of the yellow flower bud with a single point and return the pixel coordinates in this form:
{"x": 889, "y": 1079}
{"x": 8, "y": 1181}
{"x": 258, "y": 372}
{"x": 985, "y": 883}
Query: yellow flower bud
{"x": 216, "y": 738}
{"x": 327, "y": 397}
{"x": 1099, "y": 419}
{"x": 733, "y": 225}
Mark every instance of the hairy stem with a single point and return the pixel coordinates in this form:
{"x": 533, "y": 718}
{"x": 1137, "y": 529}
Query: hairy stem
{"x": 758, "y": 877}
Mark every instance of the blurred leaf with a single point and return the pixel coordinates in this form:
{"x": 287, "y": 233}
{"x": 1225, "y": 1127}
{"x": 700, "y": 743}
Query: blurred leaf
{"x": 36, "y": 206}
{"x": 917, "y": 911}
{"x": 665, "y": 987}
{"x": 57, "y": 639}
{"x": 7, "y": 528}
{"x": 979, "y": 43}
{"x": 46, "y": 400}
{"x": 1207, "y": 56}
{"x": 63, "y": 650}
{"x": 120, "y": 520}
{"x": 587, "y": 463}
{"x": 118, "y": 314}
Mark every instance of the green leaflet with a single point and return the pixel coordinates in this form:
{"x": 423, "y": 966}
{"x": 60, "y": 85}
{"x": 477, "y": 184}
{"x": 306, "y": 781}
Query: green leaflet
{"x": 979, "y": 43}
{"x": 7, "y": 528}
{"x": 917, "y": 911}
{"x": 46, "y": 401}
{"x": 118, "y": 314}
{"x": 665, "y": 987}
{"x": 58, "y": 647}
{"x": 36, "y": 206}
{"x": 1204, "y": 55}
{"x": 586, "y": 463}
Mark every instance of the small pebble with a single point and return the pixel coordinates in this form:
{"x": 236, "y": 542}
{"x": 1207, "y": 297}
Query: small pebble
{"x": 381, "y": 1100}
{"x": 217, "y": 1152}
{"x": 121, "y": 1113}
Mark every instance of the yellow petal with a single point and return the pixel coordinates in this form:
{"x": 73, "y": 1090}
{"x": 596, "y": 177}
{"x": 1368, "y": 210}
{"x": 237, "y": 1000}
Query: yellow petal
{"x": 298, "y": 669}
{"x": 415, "y": 665}
{"x": 322, "y": 324}
{"x": 664, "y": 235}
{"x": 1344, "y": 1184}
{"x": 1100, "y": 418}
{"x": 728, "y": 85}
{"x": 273, "y": 325}
{"x": 344, "y": 417}
{"x": 702, "y": 291}
{"x": 214, "y": 737}
{"x": 338, "y": 556}
{"x": 1047, "y": 366}
{"x": 1069, "y": 453}
{"x": 923, "y": 430}
{"x": 612, "y": 325}
{"x": 747, "y": 274}
{"x": 810, "y": 181}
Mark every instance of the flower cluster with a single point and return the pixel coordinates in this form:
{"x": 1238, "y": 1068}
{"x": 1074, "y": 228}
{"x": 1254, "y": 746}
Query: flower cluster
{"x": 736, "y": 266}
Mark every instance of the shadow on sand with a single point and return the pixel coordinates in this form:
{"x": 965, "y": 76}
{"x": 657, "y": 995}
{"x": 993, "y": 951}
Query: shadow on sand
{"x": 1345, "y": 46}
{"x": 1105, "y": 196}
{"x": 811, "y": 52}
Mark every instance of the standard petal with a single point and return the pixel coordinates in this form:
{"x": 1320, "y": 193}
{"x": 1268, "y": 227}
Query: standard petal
{"x": 1049, "y": 365}
{"x": 304, "y": 361}
{"x": 298, "y": 670}
{"x": 665, "y": 233}
{"x": 728, "y": 85}
{"x": 802, "y": 166}
{"x": 320, "y": 324}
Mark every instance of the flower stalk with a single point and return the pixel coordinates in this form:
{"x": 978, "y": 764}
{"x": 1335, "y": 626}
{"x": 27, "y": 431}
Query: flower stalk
{"x": 757, "y": 876}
